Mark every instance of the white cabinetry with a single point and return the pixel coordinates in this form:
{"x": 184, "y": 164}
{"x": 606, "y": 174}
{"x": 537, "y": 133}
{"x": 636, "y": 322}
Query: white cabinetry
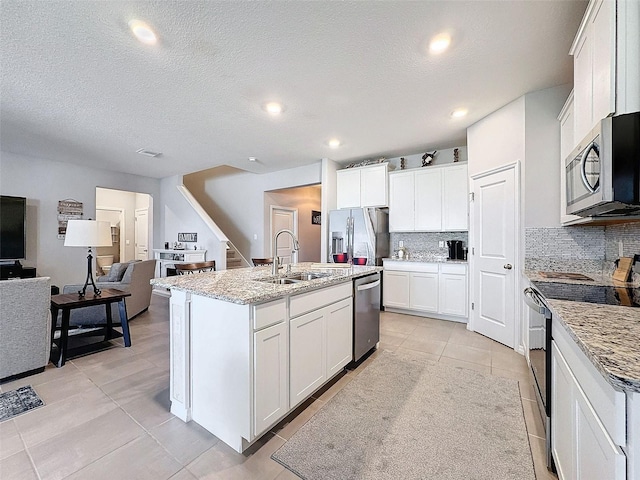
{"x": 605, "y": 55}
{"x": 438, "y": 289}
{"x": 320, "y": 340}
{"x": 430, "y": 199}
{"x": 363, "y": 186}
{"x": 588, "y": 416}
{"x": 169, "y": 258}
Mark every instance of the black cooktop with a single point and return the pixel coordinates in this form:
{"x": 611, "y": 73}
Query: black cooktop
{"x": 628, "y": 297}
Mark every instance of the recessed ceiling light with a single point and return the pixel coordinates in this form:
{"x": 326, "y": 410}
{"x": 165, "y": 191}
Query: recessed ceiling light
{"x": 274, "y": 108}
{"x": 143, "y": 32}
{"x": 334, "y": 143}
{"x": 459, "y": 113}
{"x": 253, "y": 159}
{"x": 439, "y": 43}
{"x": 148, "y": 153}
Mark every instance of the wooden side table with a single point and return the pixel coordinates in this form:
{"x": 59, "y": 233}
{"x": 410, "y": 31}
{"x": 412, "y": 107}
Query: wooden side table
{"x": 68, "y": 301}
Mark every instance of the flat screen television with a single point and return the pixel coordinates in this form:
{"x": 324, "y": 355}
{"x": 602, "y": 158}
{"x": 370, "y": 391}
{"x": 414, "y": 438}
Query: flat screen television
{"x": 13, "y": 216}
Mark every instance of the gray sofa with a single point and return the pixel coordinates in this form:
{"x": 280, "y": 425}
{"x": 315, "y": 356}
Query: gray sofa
{"x": 132, "y": 277}
{"x": 25, "y": 326}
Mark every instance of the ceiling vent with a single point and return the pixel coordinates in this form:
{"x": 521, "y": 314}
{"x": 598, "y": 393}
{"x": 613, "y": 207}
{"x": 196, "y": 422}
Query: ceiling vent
{"x": 148, "y": 153}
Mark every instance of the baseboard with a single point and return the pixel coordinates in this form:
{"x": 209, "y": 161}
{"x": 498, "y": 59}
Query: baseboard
{"x": 21, "y": 375}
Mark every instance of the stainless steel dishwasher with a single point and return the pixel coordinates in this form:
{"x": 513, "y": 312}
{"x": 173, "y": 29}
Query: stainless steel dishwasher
{"x": 366, "y": 314}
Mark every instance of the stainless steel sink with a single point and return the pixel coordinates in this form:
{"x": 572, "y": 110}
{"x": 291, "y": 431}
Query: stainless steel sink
{"x": 307, "y": 276}
{"x": 281, "y": 281}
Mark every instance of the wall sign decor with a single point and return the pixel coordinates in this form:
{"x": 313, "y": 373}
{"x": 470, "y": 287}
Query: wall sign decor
{"x": 187, "y": 237}
{"x": 68, "y": 209}
{"x": 316, "y": 217}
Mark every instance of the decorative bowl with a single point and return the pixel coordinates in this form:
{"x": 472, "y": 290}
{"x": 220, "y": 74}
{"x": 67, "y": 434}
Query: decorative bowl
{"x": 360, "y": 260}
{"x": 340, "y": 258}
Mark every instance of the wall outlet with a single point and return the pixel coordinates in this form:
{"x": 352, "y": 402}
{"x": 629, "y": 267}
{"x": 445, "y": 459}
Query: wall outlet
{"x": 441, "y": 243}
{"x": 401, "y": 244}
{"x": 128, "y": 242}
{"x": 255, "y": 236}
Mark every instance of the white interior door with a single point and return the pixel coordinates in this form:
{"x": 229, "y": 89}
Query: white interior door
{"x": 142, "y": 234}
{"x": 284, "y": 218}
{"x": 494, "y": 272}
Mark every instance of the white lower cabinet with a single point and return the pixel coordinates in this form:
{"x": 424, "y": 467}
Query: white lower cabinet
{"x": 583, "y": 448}
{"x": 438, "y": 289}
{"x": 270, "y": 376}
{"x": 423, "y": 292}
{"x": 307, "y": 355}
{"x": 320, "y": 345}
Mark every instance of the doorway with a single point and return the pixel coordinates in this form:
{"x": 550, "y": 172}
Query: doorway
{"x": 125, "y": 205}
{"x": 142, "y": 233}
{"x": 494, "y": 266}
{"x": 284, "y": 218}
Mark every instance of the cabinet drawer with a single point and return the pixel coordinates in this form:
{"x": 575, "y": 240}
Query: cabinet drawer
{"x": 608, "y": 404}
{"x": 267, "y": 314}
{"x": 403, "y": 266}
{"x": 307, "y": 302}
{"x": 455, "y": 268}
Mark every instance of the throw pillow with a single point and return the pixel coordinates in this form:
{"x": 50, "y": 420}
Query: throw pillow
{"x": 127, "y": 274}
{"x": 117, "y": 271}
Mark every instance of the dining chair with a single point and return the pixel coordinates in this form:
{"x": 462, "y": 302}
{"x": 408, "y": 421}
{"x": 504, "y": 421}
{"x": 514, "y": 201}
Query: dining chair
{"x": 262, "y": 261}
{"x": 185, "y": 268}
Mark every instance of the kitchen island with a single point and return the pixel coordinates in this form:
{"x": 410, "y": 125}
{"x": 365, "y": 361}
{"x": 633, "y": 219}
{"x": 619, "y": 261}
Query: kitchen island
{"x": 247, "y": 347}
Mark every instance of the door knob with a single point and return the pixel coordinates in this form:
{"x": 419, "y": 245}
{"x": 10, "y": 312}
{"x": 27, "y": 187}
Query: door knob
{"x": 508, "y": 266}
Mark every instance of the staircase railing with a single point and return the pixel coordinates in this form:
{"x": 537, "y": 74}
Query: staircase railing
{"x": 202, "y": 213}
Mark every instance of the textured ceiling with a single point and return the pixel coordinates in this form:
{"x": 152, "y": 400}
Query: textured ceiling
{"x": 78, "y": 87}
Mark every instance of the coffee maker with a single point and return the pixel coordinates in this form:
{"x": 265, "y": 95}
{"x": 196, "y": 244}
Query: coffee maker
{"x": 456, "y": 252}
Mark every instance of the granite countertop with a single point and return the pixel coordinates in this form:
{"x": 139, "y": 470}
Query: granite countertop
{"x": 243, "y": 285}
{"x": 607, "y": 334}
{"x": 417, "y": 259}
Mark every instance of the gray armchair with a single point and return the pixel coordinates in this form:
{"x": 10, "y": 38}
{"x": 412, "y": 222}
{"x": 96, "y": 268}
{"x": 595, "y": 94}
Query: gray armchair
{"x": 133, "y": 277}
{"x": 25, "y": 326}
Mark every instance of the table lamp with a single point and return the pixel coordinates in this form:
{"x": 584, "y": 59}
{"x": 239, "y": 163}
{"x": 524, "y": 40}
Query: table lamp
{"x": 88, "y": 233}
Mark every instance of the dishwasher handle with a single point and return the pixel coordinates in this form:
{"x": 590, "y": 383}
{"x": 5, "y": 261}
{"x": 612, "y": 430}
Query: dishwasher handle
{"x": 367, "y": 286}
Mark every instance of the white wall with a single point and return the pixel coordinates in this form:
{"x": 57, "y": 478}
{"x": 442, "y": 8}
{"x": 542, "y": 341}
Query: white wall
{"x": 178, "y": 216}
{"x": 44, "y": 183}
{"x": 497, "y": 139}
{"x": 235, "y": 200}
{"x": 542, "y": 152}
{"x": 328, "y": 202}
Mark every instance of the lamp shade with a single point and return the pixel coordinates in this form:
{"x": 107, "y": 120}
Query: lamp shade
{"x": 88, "y": 233}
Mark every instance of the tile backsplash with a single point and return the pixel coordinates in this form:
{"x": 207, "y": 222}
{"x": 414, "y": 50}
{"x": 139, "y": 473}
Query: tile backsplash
{"x": 424, "y": 245}
{"x": 580, "y": 248}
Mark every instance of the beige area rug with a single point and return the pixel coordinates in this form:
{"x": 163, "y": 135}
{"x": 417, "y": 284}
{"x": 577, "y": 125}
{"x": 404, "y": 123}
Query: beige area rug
{"x": 405, "y": 417}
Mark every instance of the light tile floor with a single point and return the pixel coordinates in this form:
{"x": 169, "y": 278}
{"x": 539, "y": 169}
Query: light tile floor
{"x": 107, "y": 414}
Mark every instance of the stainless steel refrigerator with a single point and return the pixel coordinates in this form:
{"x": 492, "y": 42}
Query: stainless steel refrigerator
{"x": 359, "y": 233}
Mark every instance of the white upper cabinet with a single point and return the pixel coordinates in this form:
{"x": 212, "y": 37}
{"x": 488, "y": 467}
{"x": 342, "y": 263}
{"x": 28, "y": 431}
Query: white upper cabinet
{"x": 566, "y": 119}
{"x": 402, "y": 200}
{"x": 363, "y": 186}
{"x": 605, "y": 60}
{"x": 430, "y": 199}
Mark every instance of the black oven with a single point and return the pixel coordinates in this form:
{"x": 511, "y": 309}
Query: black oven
{"x": 540, "y": 359}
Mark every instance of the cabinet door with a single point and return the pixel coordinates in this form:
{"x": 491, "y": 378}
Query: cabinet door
{"x": 423, "y": 293}
{"x": 453, "y": 294}
{"x": 428, "y": 186}
{"x": 270, "y": 377}
{"x": 306, "y": 356}
{"x": 583, "y": 87}
{"x": 455, "y": 211}
{"x": 597, "y": 456}
{"x": 339, "y": 334}
{"x": 562, "y": 427}
{"x": 396, "y": 289}
{"x": 348, "y": 188}
{"x": 602, "y": 32}
{"x": 401, "y": 202}
{"x": 374, "y": 186}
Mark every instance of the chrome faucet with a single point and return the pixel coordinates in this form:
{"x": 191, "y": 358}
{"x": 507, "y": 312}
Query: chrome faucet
{"x": 296, "y": 246}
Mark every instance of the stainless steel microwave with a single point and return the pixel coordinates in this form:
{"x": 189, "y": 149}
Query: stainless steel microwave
{"x": 603, "y": 172}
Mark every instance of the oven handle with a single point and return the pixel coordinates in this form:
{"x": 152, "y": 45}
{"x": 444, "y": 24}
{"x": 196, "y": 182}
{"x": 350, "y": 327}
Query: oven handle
{"x": 583, "y": 166}
{"x": 532, "y": 300}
